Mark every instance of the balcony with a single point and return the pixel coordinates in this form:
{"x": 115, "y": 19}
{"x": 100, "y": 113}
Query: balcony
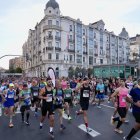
{"x": 50, "y": 61}
{"x": 49, "y": 48}
{"x": 85, "y": 53}
{"x": 57, "y": 48}
{"x": 84, "y": 44}
{"x": 48, "y": 27}
{"x": 71, "y": 50}
{"x": 71, "y": 40}
{"x": 96, "y": 54}
{"x": 57, "y": 38}
{"x": 95, "y": 46}
{"x": 50, "y": 37}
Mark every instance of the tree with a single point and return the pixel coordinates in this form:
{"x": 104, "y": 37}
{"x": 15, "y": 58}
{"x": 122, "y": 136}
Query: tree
{"x": 18, "y": 70}
{"x": 71, "y": 72}
{"x": 78, "y": 72}
{"x": 90, "y": 72}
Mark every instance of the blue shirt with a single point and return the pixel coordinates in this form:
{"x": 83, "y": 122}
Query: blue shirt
{"x": 100, "y": 87}
{"x": 135, "y": 94}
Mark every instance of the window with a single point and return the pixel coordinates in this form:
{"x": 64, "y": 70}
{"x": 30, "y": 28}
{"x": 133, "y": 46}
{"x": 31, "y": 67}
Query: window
{"x": 57, "y": 44}
{"x": 57, "y": 34}
{"x": 79, "y": 59}
{"x": 84, "y": 59}
{"x": 84, "y": 49}
{"x": 57, "y": 56}
{"x": 101, "y": 61}
{"x": 94, "y": 35}
{"x": 70, "y": 27}
{"x": 71, "y": 47}
{"x": 50, "y": 33}
{"x": 49, "y": 56}
{"x": 49, "y": 44}
{"x": 84, "y": 40}
{"x": 90, "y": 60}
{"x": 71, "y": 58}
{"x": 83, "y": 31}
{"x": 70, "y": 37}
{"x": 57, "y": 23}
{"x": 49, "y": 22}
{"x": 50, "y": 11}
{"x": 94, "y": 60}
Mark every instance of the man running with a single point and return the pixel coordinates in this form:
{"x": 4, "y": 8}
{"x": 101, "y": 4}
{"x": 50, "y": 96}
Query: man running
{"x": 58, "y": 104}
{"x": 25, "y": 98}
{"x": 9, "y": 96}
{"x": 46, "y": 94}
{"x": 120, "y": 93}
{"x": 68, "y": 96}
{"x": 84, "y": 101}
{"x": 35, "y": 96}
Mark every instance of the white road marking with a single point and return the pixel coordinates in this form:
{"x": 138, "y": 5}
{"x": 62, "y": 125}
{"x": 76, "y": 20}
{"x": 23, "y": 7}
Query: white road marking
{"x": 137, "y": 138}
{"x": 93, "y": 133}
{"x": 108, "y": 106}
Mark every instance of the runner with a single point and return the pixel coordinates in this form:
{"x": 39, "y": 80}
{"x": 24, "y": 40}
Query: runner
{"x": 84, "y": 101}
{"x": 135, "y": 100}
{"x": 120, "y": 93}
{"x": 25, "y": 98}
{"x": 58, "y": 104}
{"x": 9, "y": 96}
{"x": 68, "y": 97}
{"x": 35, "y": 96}
{"x": 100, "y": 92}
{"x": 46, "y": 94}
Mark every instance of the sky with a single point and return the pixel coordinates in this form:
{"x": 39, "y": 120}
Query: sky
{"x": 18, "y": 16}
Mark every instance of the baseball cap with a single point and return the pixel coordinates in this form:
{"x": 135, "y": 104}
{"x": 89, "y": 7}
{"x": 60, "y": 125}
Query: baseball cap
{"x": 11, "y": 85}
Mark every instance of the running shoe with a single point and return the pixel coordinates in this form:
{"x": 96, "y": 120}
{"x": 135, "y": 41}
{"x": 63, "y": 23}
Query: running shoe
{"x": 27, "y": 123}
{"x": 98, "y": 106}
{"x": 62, "y": 127}
{"x": 126, "y": 121}
{"x": 112, "y": 122}
{"x": 118, "y": 131}
{"x": 69, "y": 118}
{"x": 40, "y": 126}
{"x": 11, "y": 125}
{"x": 88, "y": 129}
{"x": 51, "y": 134}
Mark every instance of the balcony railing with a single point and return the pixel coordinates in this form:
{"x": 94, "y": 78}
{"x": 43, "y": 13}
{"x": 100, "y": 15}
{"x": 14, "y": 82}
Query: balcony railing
{"x": 57, "y": 48}
{"x": 49, "y": 48}
{"x": 96, "y": 54}
{"x": 50, "y": 37}
{"x": 47, "y": 27}
{"x": 71, "y": 50}
{"x": 58, "y": 38}
{"x": 71, "y": 40}
{"x": 84, "y": 44}
{"x": 85, "y": 53}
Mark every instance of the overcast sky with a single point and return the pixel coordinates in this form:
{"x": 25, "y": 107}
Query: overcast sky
{"x": 18, "y": 16}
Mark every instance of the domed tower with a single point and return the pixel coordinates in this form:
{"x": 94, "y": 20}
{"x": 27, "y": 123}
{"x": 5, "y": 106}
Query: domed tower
{"x": 124, "y": 33}
{"x": 52, "y": 8}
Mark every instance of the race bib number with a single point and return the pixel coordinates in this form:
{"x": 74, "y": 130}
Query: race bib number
{"x": 68, "y": 95}
{"x": 49, "y": 98}
{"x": 35, "y": 94}
{"x": 85, "y": 93}
{"x": 101, "y": 91}
{"x": 11, "y": 96}
{"x": 123, "y": 99}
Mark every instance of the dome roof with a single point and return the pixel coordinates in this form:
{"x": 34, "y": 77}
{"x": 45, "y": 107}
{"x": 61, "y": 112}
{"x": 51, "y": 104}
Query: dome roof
{"x": 53, "y": 4}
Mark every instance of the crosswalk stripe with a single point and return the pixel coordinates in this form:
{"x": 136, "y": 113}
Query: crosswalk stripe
{"x": 93, "y": 133}
{"x": 108, "y": 106}
{"x": 137, "y": 138}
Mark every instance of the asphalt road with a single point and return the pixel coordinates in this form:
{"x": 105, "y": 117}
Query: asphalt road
{"x": 99, "y": 120}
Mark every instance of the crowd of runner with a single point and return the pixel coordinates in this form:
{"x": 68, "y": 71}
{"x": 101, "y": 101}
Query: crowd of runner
{"x": 40, "y": 94}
